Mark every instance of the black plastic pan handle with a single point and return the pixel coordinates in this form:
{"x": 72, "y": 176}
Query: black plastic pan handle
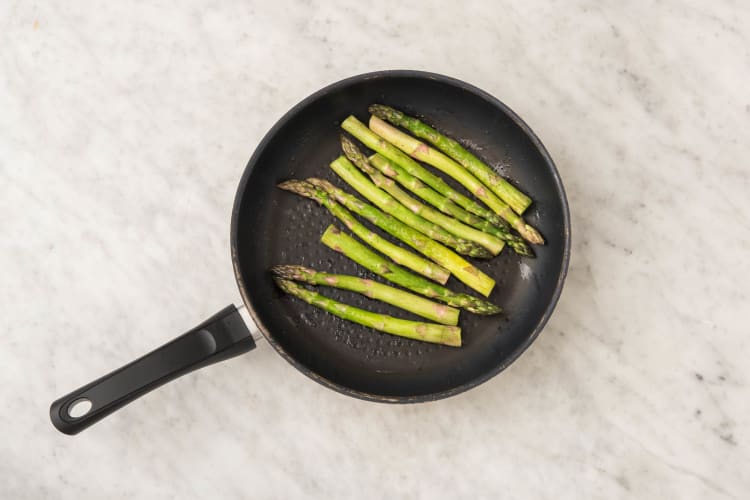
{"x": 222, "y": 336}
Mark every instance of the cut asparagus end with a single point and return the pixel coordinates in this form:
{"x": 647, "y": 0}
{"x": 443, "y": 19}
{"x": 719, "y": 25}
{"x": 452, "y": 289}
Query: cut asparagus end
{"x": 403, "y": 141}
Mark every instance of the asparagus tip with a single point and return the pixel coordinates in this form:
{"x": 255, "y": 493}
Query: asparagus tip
{"x": 288, "y": 272}
{"x": 473, "y": 250}
{"x": 355, "y": 155}
{"x": 287, "y": 286}
{"x": 380, "y": 110}
{"x": 533, "y": 235}
{"x": 321, "y": 183}
{"x": 521, "y": 248}
{"x": 350, "y": 149}
{"x": 347, "y": 143}
{"x": 299, "y": 187}
{"x": 498, "y": 221}
{"x": 483, "y": 308}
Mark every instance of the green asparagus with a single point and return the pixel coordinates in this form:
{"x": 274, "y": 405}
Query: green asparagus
{"x": 427, "y": 332}
{"x": 488, "y": 241}
{"x": 444, "y": 256}
{"x": 341, "y": 242}
{"x": 425, "y": 153}
{"x": 518, "y": 201}
{"x": 446, "y": 206}
{"x": 408, "y": 301}
{"x": 395, "y": 252}
{"x": 377, "y": 143}
{"x": 390, "y": 205}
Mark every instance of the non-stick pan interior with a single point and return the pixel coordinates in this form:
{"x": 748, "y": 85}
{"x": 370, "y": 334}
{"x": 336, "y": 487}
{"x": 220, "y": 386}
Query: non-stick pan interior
{"x": 271, "y": 226}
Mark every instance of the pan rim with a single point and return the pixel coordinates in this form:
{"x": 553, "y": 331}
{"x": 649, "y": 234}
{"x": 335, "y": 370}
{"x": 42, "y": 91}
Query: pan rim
{"x": 368, "y": 396}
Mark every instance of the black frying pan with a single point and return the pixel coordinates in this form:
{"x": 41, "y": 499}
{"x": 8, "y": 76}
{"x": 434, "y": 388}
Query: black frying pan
{"x": 270, "y": 227}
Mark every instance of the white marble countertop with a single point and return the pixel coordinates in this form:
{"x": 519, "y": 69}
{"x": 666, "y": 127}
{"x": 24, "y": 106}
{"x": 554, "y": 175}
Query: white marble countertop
{"x": 123, "y": 132}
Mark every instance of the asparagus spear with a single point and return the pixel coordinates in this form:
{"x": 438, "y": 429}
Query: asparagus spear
{"x": 395, "y": 252}
{"x": 408, "y": 301}
{"x": 377, "y": 143}
{"x": 423, "y": 152}
{"x": 488, "y": 241}
{"x": 351, "y": 248}
{"x": 445, "y": 205}
{"x": 427, "y": 332}
{"x": 390, "y": 205}
{"x": 444, "y": 256}
{"x": 518, "y": 201}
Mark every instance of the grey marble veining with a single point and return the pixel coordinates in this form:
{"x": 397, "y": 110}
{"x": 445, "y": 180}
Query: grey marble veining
{"x": 124, "y": 128}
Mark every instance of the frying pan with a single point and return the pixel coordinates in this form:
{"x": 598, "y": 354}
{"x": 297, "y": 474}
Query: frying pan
{"x": 270, "y": 226}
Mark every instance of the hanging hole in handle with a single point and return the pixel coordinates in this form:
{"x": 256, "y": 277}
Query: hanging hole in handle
{"x": 79, "y": 408}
